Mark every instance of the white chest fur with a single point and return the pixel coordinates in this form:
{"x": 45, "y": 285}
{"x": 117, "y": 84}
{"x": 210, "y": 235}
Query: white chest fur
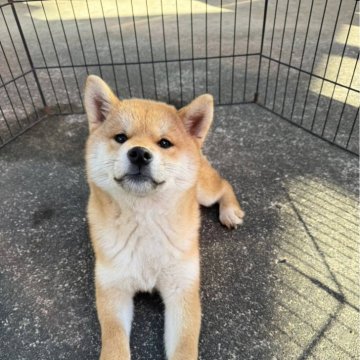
{"x": 139, "y": 249}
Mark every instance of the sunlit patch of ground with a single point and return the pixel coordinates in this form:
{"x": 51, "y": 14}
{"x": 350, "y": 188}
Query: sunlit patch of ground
{"x": 316, "y": 313}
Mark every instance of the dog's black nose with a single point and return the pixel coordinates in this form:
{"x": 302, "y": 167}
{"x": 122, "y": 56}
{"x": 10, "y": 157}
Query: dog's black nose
{"x": 139, "y": 156}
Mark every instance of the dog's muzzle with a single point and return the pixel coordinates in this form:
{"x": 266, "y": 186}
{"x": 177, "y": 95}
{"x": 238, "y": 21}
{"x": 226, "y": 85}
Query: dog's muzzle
{"x": 138, "y": 177}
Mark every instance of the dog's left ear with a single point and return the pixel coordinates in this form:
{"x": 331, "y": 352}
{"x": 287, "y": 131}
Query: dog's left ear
{"x": 198, "y": 116}
{"x": 98, "y": 100}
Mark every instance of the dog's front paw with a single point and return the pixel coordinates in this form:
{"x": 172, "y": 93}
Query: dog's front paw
{"x": 231, "y": 216}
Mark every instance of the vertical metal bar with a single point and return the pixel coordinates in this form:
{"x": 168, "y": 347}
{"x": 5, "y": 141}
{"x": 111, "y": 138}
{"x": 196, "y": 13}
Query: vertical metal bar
{"x": 353, "y": 127}
{"x": 151, "y": 49}
{"x": 123, "y": 48}
{"x": 256, "y": 97}
{"x": 271, "y": 49}
{"x": 28, "y": 55}
{"x": 165, "y": 50}
{"x": 247, "y": 50}
{"x": 43, "y": 56}
{"x": 78, "y": 33}
{"x": 206, "y": 45}
{"x": 179, "y": 52}
{"x": 15, "y": 84}
{"x": 326, "y": 66}
{"x": 233, "y": 53}
{"x": 137, "y": 49}
{"x": 220, "y": 48}
{"x": 4, "y": 117}
{"x": 18, "y": 59}
{"x": 68, "y": 48}
{"x": 345, "y": 102}
{"x": 302, "y": 58}
{"x": 313, "y": 63}
{"x": 11, "y": 103}
{"x": 281, "y": 50}
{"x": 291, "y": 55}
{"x": 57, "y": 56}
{"x": 338, "y": 72}
{"x": 108, "y": 41}
{"x": 29, "y": 60}
{"x": 192, "y": 48}
{"x": 93, "y": 37}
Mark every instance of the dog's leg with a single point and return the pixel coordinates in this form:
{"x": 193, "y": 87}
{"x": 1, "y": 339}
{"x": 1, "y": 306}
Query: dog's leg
{"x": 213, "y": 188}
{"x": 115, "y": 311}
{"x": 182, "y": 323}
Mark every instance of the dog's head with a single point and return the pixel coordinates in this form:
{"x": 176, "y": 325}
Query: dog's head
{"x": 142, "y": 147}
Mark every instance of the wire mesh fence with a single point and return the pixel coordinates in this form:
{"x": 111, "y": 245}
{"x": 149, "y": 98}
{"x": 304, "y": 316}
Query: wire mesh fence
{"x": 296, "y": 58}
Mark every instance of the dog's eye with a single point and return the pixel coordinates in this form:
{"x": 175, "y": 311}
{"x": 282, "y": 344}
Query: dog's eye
{"x": 165, "y": 144}
{"x": 120, "y": 138}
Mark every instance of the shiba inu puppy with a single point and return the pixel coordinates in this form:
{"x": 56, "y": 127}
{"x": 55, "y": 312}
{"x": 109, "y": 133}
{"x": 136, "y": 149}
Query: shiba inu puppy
{"x": 147, "y": 177}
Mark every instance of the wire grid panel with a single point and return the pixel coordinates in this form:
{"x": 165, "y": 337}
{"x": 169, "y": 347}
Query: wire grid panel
{"x": 167, "y": 50}
{"x": 309, "y": 71}
{"x": 20, "y": 98}
{"x": 278, "y": 53}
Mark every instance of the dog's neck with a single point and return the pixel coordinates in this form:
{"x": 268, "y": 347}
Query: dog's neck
{"x": 156, "y": 204}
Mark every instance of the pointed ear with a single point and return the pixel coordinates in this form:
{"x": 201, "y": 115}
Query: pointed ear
{"x": 198, "y": 116}
{"x": 98, "y": 100}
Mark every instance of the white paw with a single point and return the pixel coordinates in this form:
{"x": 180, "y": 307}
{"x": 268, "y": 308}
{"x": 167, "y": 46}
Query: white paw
{"x": 231, "y": 216}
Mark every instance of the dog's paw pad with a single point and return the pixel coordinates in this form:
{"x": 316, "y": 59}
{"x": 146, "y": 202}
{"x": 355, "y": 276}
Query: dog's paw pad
{"x": 231, "y": 217}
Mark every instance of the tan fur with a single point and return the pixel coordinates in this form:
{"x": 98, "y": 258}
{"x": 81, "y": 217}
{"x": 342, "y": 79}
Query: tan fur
{"x": 146, "y": 234}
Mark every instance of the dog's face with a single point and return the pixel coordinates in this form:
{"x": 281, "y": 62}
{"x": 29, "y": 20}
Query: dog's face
{"x": 141, "y": 147}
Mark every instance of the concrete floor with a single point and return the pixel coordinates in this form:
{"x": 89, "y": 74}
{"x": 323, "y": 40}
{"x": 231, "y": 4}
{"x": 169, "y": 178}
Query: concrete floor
{"x": 283, "y": 286}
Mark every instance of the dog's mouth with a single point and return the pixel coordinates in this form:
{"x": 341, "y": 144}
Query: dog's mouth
{"x": 138, "y": 179}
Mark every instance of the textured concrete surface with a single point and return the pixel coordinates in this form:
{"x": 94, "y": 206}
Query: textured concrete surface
{"x": 283, "y": 286}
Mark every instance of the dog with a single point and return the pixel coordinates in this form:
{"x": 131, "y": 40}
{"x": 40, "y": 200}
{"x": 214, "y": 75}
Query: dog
{"x": 147, "y": 177}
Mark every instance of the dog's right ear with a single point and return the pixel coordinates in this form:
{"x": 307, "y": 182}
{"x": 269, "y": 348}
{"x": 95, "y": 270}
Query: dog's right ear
{"x": 98, "y": 100}
{"x": 198, "y": 116}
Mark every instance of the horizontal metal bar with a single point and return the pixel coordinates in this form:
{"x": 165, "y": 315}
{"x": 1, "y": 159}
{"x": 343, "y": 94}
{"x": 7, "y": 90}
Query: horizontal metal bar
{"x": 216, "y": 105}
{"x": 17, "y": 1}
{"x": 16, "y": 78}
{"x": 309, "y": 73}
{"x": 143, "y": 62}
{"x": 234, "y": 104}
{"x": 308, "y": 130}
